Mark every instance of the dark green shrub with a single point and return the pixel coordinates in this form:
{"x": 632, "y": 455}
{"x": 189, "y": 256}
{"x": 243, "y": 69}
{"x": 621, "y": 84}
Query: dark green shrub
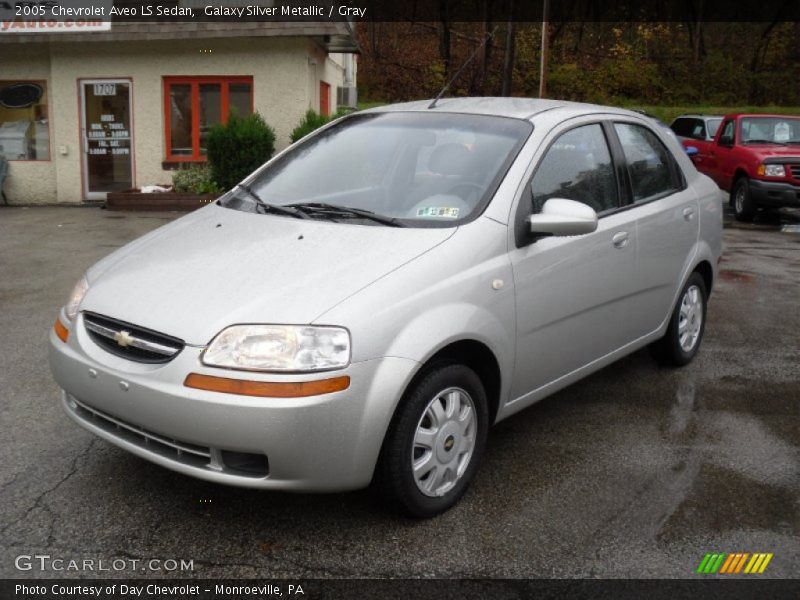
{"x": 238, "y": 148}
{"x": 311, "y": 121}
{"x": 195, "y": 179}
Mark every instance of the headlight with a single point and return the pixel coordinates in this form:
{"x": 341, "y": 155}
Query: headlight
{"x": 772, "y": 170}
{"x": 75, "y": 298}
{"x": 279, "y": 348}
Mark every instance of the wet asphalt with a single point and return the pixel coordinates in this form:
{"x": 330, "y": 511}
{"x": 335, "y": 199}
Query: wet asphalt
{"x": 637, "y": 471}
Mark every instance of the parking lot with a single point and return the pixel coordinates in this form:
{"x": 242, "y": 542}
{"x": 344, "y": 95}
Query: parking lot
{"x": 637, "y": 471}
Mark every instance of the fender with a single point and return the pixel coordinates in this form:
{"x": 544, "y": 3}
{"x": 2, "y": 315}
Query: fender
{"x": 700, "y": 252}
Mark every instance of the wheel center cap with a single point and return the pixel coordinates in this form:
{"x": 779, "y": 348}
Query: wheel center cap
{"x": 447, "y": 442}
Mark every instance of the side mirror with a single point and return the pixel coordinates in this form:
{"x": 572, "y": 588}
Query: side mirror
{"x": 561, "y": 217}
{"x": 692, "y": 151}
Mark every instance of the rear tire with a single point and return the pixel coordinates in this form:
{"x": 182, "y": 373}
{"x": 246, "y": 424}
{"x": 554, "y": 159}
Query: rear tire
{"x": 744, "y": 209}
{"x": 435, "y": 442}
{"x": 686, "y": 326}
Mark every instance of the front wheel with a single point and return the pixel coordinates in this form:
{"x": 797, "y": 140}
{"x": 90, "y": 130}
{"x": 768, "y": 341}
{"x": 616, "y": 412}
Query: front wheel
{"x": 744, "y": 209}
{"x": 686, "y": 325}
{"x": 435, "y": 442}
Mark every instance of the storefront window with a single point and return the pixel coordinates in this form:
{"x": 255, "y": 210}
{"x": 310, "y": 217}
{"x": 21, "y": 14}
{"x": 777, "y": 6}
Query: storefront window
{"x": 180, "y": 111}
{"x": 195, "y": 105}
{"x": 24, "y": 133}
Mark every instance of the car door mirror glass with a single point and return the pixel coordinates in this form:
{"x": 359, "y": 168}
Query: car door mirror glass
{"x": 562, "y": 217}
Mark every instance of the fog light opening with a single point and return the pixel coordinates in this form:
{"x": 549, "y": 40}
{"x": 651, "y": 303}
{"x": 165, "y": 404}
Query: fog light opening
{"x": 245, "y": 463}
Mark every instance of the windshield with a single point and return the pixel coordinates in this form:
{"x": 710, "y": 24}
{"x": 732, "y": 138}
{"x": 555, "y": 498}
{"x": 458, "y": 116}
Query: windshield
{"x": 419, "y": 169}
{"x": 771, "y": 130}
{"x": 712, "y": 125}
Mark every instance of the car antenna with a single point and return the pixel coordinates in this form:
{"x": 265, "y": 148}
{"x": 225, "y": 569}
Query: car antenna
{"x": 466, "y": 62}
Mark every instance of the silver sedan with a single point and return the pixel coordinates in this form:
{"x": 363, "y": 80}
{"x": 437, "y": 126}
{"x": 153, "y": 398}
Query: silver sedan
{"x": 365, "y": 305}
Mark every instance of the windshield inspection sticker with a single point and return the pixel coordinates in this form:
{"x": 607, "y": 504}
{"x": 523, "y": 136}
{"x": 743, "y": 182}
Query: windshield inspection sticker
{"x": 447, "y": 212}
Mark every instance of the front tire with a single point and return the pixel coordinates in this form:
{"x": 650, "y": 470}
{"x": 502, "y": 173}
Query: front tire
{"x": 686, "y": 326}
{"x": 435, "y": 441}
{"x": 744, "y": 209}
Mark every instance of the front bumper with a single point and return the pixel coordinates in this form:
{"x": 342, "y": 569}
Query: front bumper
{"x": 320, "y": 443}
{"x": 774, "y": 193}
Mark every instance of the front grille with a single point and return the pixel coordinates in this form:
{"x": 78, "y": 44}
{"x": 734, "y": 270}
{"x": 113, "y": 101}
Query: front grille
{"x": 131, "y": 341}
{"x": 795, "y": 169}
{"x": 244, "y": 464}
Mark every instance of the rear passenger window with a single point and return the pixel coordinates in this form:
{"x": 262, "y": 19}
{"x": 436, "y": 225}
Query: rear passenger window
{"x": 649, "y": 162}
{"x": 577, "y": 167}
{"x": 684, "y": 127}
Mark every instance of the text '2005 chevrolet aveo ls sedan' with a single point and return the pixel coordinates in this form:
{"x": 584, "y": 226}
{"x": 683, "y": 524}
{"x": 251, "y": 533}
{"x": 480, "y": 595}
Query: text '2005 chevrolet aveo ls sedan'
{"x": 364, "y": 306}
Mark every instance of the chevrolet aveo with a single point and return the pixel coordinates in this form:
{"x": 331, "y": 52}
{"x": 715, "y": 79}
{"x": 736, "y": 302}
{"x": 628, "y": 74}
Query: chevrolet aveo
{"x": 365, "y": 305}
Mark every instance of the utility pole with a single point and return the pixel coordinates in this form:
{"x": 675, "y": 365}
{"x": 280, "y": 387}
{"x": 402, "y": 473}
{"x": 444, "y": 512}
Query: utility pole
{"x": 545, "y": 50}
{"x": 508, "y": 63}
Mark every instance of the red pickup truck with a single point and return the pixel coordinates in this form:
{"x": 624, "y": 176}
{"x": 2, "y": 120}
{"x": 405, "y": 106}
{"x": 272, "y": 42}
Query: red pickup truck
{"x": 754, "y": 157}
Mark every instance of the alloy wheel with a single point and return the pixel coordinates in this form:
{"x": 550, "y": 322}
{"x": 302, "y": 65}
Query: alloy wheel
{"x": 690, "y": 318}
{"x": 444, "y": 442}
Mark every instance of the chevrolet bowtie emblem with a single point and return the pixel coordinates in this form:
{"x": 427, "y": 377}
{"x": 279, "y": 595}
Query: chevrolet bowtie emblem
{"x": 123, "y": 338}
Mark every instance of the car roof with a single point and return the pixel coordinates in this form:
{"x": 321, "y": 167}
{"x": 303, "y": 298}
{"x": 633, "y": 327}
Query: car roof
{"x": 698, "y": 116}
{"x": 769, "y": 115}
{"x": 517, "y": 108}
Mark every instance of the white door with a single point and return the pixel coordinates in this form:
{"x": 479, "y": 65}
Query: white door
{"x": 107, "y": 139}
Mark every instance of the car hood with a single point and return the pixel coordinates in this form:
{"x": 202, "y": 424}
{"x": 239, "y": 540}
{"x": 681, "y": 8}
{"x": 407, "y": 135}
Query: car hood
{"x": 217, "y": 267}
{"x": 774, "y": 150}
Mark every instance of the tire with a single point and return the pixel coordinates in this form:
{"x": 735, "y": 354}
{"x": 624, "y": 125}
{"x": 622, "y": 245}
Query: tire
{"x": 453, "y": 395}
{"x": 744, "y": 209}
{"x": 684, "y": 334}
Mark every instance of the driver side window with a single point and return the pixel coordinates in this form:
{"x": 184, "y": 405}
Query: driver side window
{"x": 577, "y": 166}
{"x": 726, "y": 137}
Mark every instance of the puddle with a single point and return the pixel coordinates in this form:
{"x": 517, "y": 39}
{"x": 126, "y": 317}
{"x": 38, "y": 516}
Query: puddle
{"x": 733, "y": 275}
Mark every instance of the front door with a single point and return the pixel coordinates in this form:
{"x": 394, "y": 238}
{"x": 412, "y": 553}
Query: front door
{"x": 572, "y": 292}
{"x": 106, "y": 137}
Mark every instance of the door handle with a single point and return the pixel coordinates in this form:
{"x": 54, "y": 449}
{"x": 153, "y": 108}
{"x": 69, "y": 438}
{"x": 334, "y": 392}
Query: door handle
{"x": 620, "y": 239}
{"x": 688, "y": 213}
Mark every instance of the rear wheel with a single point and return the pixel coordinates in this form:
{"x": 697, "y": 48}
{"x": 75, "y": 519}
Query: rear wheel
{"x": 435, "y": 442}
{"x": 743, "y": 206}
{"x": 686, "y": 326}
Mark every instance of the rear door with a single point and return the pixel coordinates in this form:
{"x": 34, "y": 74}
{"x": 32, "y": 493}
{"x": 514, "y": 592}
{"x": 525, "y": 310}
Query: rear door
{"x": 666, "y": 213}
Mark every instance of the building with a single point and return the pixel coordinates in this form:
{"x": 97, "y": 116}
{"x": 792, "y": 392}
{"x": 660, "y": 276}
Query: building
{"x": 83, "y": 114}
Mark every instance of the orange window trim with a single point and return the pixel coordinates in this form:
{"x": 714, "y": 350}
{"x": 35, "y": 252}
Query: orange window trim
{"x": 194, "y": 83}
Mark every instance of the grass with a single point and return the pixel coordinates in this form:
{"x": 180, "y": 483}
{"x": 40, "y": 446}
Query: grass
{"x": 370, "y": 104}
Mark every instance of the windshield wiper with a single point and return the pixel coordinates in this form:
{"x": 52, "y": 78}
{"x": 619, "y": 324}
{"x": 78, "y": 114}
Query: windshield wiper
{"x": 333, "y": 210}
{"x": 273, "y": 208}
